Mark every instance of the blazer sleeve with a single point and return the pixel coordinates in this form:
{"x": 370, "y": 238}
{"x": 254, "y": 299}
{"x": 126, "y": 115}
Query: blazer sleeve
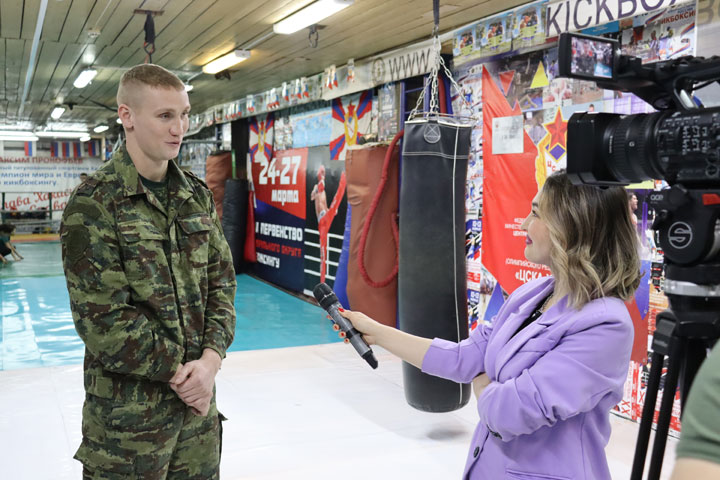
{"x": 586, "y": 366}
{"x": 460, "y": 362}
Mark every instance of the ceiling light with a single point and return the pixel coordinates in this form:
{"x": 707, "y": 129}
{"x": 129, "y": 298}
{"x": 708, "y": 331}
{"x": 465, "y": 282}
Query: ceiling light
{"x": 57, "y": 112}
{"x": 310, "y": 15}
{"x": 118, "y": 121}
{"x": 16, "y": 133}
{"x": 19, "y": 138}
{"x": 100, "y": 128}
{"x": 188, "y": 87}
{"x": 84, "y": 78}
{"x": 85, "y": 138}
{"x": 58, "y": 134}
{"x": 226, "y": 61}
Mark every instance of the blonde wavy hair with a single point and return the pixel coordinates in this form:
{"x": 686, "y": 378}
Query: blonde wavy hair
{"x": 594, "y": 246}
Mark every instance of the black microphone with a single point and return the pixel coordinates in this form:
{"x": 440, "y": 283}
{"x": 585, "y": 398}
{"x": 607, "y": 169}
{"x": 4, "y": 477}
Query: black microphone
{"x": 329, "y": 302}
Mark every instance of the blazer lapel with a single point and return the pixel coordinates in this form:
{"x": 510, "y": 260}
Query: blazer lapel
{"x": 505, "y": 344}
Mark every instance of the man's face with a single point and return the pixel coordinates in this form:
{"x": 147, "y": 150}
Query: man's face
{"x": 158, "y": 117}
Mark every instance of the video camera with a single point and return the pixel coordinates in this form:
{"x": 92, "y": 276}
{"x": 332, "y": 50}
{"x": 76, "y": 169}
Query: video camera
{"x": 681, "y": 145}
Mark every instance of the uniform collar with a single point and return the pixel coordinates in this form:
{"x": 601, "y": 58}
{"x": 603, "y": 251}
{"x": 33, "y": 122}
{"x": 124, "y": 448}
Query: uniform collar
{"x": 178, "y": 186}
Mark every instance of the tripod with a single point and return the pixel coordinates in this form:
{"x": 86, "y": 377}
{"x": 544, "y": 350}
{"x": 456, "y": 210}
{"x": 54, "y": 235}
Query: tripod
{"x": 683, "y": 334}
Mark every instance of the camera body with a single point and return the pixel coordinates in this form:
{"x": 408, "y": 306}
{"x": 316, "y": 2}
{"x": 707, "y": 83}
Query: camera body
{"x": 678, "y": 144}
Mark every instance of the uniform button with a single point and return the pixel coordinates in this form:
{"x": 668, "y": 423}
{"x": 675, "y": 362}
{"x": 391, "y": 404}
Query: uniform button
{"x": 475, "y": 453}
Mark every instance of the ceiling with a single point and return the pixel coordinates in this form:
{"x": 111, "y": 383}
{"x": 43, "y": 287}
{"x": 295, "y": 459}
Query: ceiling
{"x": 189, "y": 33}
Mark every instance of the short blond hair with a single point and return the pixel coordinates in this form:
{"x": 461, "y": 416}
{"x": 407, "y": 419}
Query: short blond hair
{"x": 594, "y": 245}
{"x": 146, "y": 74}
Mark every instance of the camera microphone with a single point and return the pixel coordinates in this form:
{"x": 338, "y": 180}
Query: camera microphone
{"x": 329, "y": 302}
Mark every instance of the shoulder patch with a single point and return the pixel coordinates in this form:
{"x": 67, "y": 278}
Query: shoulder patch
{"x": 76, "y": 242}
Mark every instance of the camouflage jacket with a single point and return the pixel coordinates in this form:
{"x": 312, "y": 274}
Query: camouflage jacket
{"x": 150, "y": 287}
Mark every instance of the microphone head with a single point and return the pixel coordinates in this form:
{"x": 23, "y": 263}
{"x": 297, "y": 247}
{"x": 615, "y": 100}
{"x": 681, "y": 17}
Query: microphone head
{"x": 324, "y": 295}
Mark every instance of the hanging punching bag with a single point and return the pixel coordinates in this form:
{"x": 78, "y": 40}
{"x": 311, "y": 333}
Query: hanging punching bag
{"x": 432, "y": 295}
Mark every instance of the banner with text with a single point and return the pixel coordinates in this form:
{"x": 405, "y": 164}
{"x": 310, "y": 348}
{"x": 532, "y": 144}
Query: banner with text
{"x": 573, "y": 15}
{"x": 280, "y": 216}
{"x": 22, "y": 174}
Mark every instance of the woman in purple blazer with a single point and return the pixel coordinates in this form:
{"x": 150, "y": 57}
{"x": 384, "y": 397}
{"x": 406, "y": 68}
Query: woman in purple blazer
{"x": 552, "y": 363}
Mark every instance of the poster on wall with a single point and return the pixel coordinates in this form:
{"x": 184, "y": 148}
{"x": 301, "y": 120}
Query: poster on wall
{"x": 351, "y": 120}
{"x": 528, "y": 25}
{"x": 522, "y": 79}
{"x": 662, "y": 35}
{"x": 326, "y": 204}
{"x": 280, "y": 217}
{"x": 464, "y": 45}
{"x": 311, "y": 129}
{"x": 493, "y": 35}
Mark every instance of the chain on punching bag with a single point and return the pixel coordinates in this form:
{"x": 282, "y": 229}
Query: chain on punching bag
{"x": 432, "y": 288}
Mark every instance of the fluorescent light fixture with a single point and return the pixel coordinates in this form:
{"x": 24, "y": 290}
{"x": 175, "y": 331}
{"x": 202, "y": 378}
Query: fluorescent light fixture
{"x": 16, "y": 133}
{"x": 57, "y": 134}
{"x": 226, "y": 61}
{"x": 188, "y": 87}
{"x": 118, "y": 121}
{"x": 84, "y": 78}
{"x": 19, "y": 138}
{"x": 85, "y": 138}
{"x": 100, "y": 128}
{"x": 57, "y": 112}
{"x": 310, "y": 15}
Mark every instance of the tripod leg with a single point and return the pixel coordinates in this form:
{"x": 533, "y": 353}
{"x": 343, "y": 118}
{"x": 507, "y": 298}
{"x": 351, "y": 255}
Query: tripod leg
{"x": 677, "y": 352}
{"x": 694, "y": 357}
{"x": 647, "y": 416}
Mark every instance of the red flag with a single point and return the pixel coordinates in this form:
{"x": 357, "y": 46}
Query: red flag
{"x": 509, "y": 187}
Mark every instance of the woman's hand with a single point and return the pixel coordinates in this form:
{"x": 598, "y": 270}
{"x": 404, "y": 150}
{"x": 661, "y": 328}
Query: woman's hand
{"x": 368, "y": 327}
{"x": 479, "y": 383}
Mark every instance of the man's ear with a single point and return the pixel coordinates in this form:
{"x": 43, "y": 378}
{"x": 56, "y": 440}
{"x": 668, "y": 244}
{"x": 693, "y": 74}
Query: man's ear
{"x": 126, "y": 116}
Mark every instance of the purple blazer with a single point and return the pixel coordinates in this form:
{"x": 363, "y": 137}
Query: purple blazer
{"x": 546, "y": 413}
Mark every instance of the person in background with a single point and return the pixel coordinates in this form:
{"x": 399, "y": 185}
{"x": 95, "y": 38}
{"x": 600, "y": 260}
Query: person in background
{"x": 633, "y": 206}
{"x": 152, "y": 286}
{"x": 83, "y": 177}
{"x": 552, "y": 363}
{"x": 6, "y": 246}
{"x": 698, "y": 452}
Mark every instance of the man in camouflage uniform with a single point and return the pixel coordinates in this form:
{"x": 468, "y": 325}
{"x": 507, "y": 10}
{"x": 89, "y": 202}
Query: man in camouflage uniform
{"x": 151, "y": 288}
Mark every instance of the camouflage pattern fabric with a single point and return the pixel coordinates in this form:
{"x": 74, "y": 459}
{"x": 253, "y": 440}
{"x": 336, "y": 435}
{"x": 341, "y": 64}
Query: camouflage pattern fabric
{"x": 151, "y": 286}
{"x": 149, "y": 441}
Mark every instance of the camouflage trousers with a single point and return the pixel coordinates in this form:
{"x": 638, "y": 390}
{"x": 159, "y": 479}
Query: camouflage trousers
{"x": 155, "y": 440}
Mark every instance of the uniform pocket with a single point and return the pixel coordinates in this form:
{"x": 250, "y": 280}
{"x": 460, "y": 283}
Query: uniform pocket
{"x": 195, "y": 238}
{"x": 144, "y": 258}
{"x": 115, "y": 464}
{"x": 517, "y": 475}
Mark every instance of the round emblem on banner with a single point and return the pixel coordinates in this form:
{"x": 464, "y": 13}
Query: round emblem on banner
{"x": 432, "y": 133}
{"x": 378, "y": 71}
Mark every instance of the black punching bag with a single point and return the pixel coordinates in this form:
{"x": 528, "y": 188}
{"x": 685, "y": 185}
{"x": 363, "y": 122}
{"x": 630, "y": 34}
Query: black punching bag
{"x": 235, "y": 205}
{"x": 432, "y": 292}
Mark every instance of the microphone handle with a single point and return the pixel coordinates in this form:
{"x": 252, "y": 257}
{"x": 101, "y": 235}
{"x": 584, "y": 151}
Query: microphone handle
{"x": 356, "y": 340}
